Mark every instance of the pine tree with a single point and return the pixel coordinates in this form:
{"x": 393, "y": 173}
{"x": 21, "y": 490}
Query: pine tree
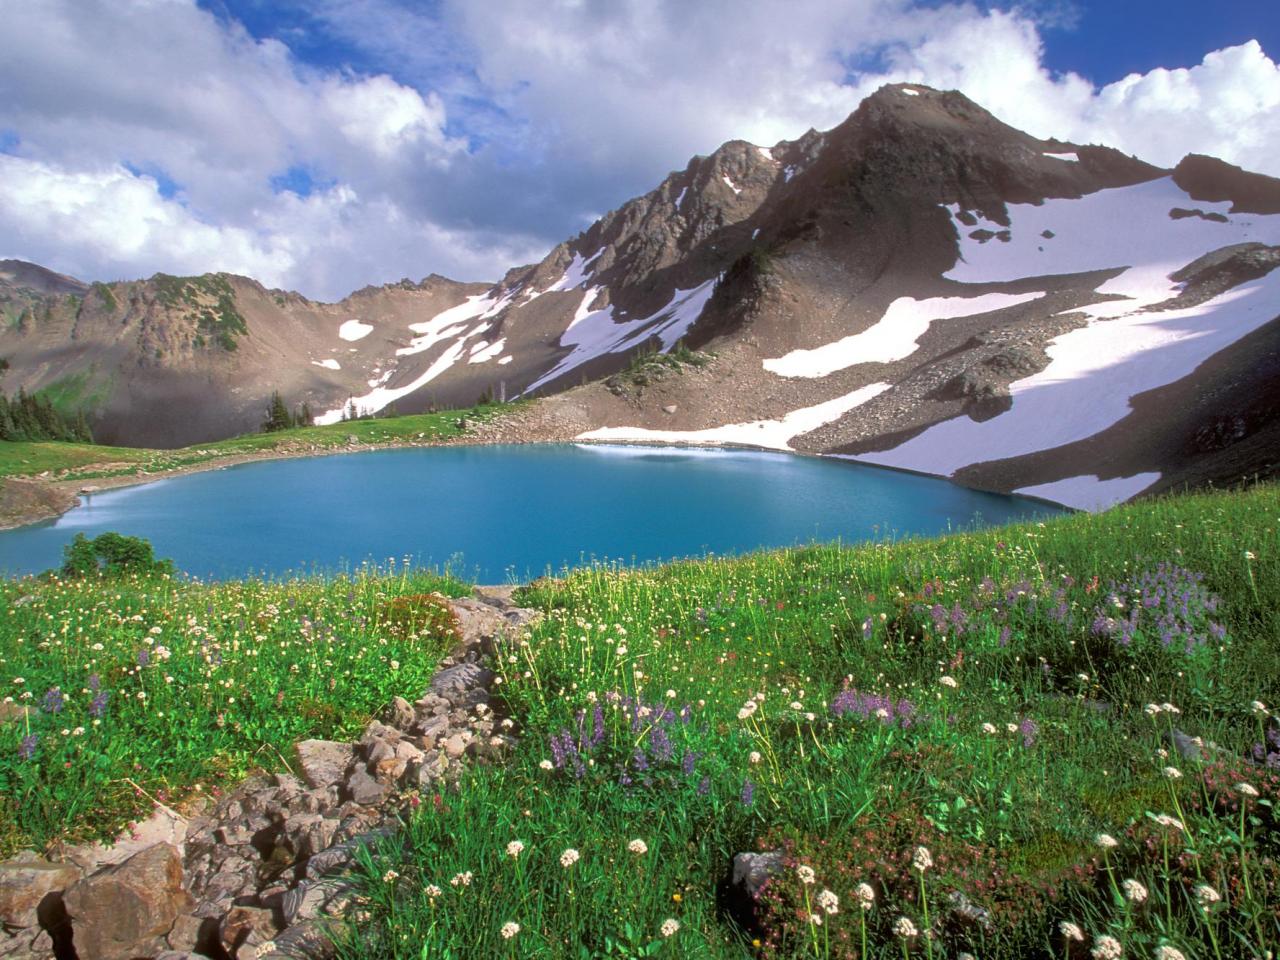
{"x": 278, "y": 417}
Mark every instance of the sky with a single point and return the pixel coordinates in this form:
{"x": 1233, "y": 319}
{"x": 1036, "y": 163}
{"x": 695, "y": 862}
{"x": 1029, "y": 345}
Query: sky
{"x": 322, "y": 145}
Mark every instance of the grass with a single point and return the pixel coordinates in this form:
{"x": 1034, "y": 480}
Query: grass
{"x": 80, "y": 461}
{"x": 952, "y": 723}
{"x": 970, "y": 734}
{"x": 155, "y": 688}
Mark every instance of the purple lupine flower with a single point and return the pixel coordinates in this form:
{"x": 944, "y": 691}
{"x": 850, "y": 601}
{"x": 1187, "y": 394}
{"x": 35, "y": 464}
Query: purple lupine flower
{"x": 27, "y": 748}
{"x": 1005, "y": 633}
{"x": 53, "y": 700}
{"x": 144, "y": 657}
{"x": 660, "y": 744}
{"x": 94, "y": 682}
{"x": 597, "y": 728}
{"x": 866, "y": 629}
{"x": 98, "y": 706}
{"x": 688, "y": 763}
{"x": 748, "y": 792}
{"x": 1028, "y": 729}
{"x": 639, "y": 760}
{"x": 704, "y": 786}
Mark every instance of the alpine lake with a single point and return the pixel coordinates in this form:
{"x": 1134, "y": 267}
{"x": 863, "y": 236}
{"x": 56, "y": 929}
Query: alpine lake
{"x": 509, "y": 513}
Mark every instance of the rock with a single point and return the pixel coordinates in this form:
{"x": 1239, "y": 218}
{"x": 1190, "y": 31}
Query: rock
{"x": 29, "y": 944}
{"x": 965, "y": 909}
{"x": 457, "y": 745}
{"x": 30, "y": 891}
{"x": 179, "y": 955}
{"x": 364, "y": 789}
{"x": 244, "y": 923}
{"x": 433, "y": 728}
{"x": 324, "y": 762}
{"x": 752, "y": 870}
{"x": 670, "y": 408}
{"x": 456, "y": 682}
{"x": 310, "y": 940}
{"x": 190, "y": 932}
{"x": 125, "y": 910}
{"x": 399, "y": 714}
{"x": 1187, "y": 746}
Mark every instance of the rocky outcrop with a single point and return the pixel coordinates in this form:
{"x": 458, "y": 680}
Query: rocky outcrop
{"x": 261, "y": 873}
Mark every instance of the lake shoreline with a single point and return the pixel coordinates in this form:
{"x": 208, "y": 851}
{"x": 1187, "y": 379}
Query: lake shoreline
{"x": 25, "y": 501}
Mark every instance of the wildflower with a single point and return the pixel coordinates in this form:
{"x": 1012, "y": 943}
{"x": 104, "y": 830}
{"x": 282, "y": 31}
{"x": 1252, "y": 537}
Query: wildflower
{"x": 1259, "y": 709}
{"x": 922, "y": 860}
{"x": 1169, "y": 708}
{"x": 828, "y": 901}
{"x": 638, "y": 847}
{"x": 989, "y": 728}
{"x": 865, "y": 896}
{"x": 670, "y": 927}
{"x": 947, "y": 681}
{"x": 1134, "y": 891}
{"x": 904, "y": 928}
{"x": 1246, "y": 790}
{"x": 1106, "y": 948}
{"x": 1169, "y": 953}
{"x": 265, "y": 949}
{"x": 1173, "y": 773}
{"x": 514, "y": 849}
{"x": 755, "y": 756}
{"x": 1207, "y": 896}
{"x": 1167, "y": 821}
{"x": 53, "y": 700}
{"x": 1011, "y": 727}
{"x": 432, "y": 891}
{"x": 509, "y": 929}
{"x": 748, "y": 792}
{"x": 389, "y": 876}
{"x": 27, "y": 747}
{"x": 805, "y": 873}
{"x": 671, "y": 694}
{"x": 1151, "y": 709}
{"x": 462, "y": 879}
{"x": 1105, "y": 840}
{"x": 569, "y": 858}
{"x": 1248, "y": 555}
{"x": 1071, "y": 931}
{"x": 546, "y": 765}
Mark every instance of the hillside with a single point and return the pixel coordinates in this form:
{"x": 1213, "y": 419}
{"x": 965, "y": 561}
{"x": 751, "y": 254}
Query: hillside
{"x": 922, "y": 287}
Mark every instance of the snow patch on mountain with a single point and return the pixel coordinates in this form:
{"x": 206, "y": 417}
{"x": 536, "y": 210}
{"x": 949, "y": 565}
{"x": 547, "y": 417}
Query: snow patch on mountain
{"x": 593, "y": 333}
{"x": 328, "y": 363}
{"x": 483, "y": 352}
{"x": 1127, "y": 347}
{"x": 381, "y": 396}
{"x": 1089, "y": 492}
{"x": 1068, "y": 157}
{"x": 732, "y": 186}
{"x": 354, "y": 329}
{"x": 893, "y": 337}
{"x": 771, "y": 434}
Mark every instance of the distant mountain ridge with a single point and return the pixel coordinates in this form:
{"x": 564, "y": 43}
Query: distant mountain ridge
{"x": 922, "y": 286}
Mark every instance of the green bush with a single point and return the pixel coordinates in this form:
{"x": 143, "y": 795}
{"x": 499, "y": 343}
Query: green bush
{"x": 111, "y": 554}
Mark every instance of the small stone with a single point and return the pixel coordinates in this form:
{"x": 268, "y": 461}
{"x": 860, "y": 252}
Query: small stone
{"x": 457, "y": 745}
{"x": 364, "y": 789}
{"x": 670, "y": 408}
{"x": 30, "y": 890}
{"x": 752, "y": 870}
{"x": 456, "y": 682}
{"x": 241, "y": 923}
{"x": 310, "y": 940}
{"x": 399, "y": 714}
{"x": 324, "y": 762}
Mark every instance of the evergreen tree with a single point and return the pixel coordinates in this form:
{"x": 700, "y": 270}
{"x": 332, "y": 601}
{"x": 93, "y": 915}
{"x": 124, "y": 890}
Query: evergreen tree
{"x": 278, "y": 417}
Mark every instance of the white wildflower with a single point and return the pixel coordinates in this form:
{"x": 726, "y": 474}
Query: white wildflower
{"x": 805, "y": 873}
{"x": 670, "y": 927}
{"x": 638, "y": 847}
{"x": 865, "y": 895}
{"x": 514, "y": 849}
{"x": 1134, "y": 891}
{"x": 1071, "y": 931}
{"x": 922, "y": 860}
{"x": 509, "y": 929}
{"x": 569, "y": 858}
{"x": 904, "y": 928}
{"x": 1106, "y": 948}
{"x": 1246, "y": 790}
{"x": 1106, "y": 841}
{"x": 948, "y": 681}
{"x": 828, "y": 901}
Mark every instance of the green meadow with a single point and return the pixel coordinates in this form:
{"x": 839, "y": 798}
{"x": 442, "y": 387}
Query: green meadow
{"x": 1044, "y": 740}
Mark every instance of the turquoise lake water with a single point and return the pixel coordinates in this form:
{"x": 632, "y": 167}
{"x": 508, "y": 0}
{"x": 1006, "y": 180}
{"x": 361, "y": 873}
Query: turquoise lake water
{"x": 500, "y": 513}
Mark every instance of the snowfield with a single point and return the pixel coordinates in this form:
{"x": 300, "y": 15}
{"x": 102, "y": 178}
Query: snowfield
{"x": 1127, "y": 347}
{"x": 771, "y": 434}
{"x": 893, "y": 337}
{"x": 328, "y": 364}
{"x": 354, "y": 329}
{"x": 593, "y": 333}
{"x": 1090, "y": 492}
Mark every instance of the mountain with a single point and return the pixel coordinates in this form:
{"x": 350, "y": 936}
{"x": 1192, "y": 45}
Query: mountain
{"x": 922, "y": 287}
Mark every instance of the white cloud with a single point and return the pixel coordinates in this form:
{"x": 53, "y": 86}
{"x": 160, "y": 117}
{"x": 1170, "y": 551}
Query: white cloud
{"x": 526, "y": 116}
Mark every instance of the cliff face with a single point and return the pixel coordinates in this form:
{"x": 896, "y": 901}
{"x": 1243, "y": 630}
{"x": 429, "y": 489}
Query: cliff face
{"x": 922, "y": 286}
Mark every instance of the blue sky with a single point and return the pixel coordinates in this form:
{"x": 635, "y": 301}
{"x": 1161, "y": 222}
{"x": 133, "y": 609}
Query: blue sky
{"x": 325, "y": 144}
